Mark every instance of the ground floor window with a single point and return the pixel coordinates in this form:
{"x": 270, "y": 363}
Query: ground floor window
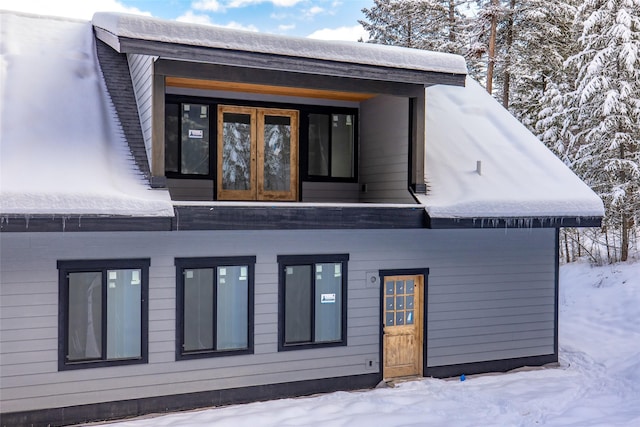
{"x": 102, "y": 312}
{"x": 214, "y": 306}
{"x": 313, "y": 296}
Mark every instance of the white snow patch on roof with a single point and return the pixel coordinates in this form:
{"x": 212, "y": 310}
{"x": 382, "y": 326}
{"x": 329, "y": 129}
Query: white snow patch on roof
{"x": 145, "y": 28}
{"x": 62, "y": 150}
{"x": 519, "y": 176}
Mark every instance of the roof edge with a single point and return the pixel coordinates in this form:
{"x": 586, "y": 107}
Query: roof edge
{"x": 514, "y": 222}
{"x": 180, "y": 33}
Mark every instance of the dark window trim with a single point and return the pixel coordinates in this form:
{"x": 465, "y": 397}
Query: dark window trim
{"x": 303, "y": 134}
{"x": 213, "y": 132}
{"x": 304, "y": 143}
{"x": 291, "y": 260}
{"x": 213, "y": 262}
{"x": 77, "y": 266}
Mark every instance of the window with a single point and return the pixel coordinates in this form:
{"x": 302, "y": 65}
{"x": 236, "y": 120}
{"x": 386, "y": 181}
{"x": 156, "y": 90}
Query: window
{"x": 313, "y": 301}
{"x": 331, "y": 145}
{"x": 102, "y": 312}
{"x": 215, "y": 306}
{"x": 187, "y": 139}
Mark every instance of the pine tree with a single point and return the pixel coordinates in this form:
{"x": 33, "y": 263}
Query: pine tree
{"x": 422, "y": 24}
{"x": 605, "y": 110}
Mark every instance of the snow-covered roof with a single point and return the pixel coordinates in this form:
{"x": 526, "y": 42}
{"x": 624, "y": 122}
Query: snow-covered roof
{"x": 62, "y": 150}
{"x": 519, "y": 177}
{"x": 153, "y": 29}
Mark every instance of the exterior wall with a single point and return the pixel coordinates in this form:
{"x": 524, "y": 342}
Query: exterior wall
{"x": 336, "y": 192}
{"x": 491, "y": 295}
{"x": 141, "y": 68}
{"x": 384, "y": 150}
{"x": 190, "y": 189}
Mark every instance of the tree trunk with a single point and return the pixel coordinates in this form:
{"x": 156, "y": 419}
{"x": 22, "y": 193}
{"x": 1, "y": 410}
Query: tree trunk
{"x": 509, "y": 41}
{"x": 452, "y": 21}
{"x": 624, "y": 241}
{"x": 492, "y": 45}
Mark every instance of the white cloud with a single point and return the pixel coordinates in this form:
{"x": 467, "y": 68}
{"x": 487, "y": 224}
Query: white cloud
{"x": 286, "y": 27}
{"x": 193, "y": 18}
{"x": 279, "y": 3}
{"x": 342, "y": 33}
{"x": 315, "y": 10}
{"x": 70, "y": 9}
{"x": 237, "y": 26}
{"x": 210, "y": 5}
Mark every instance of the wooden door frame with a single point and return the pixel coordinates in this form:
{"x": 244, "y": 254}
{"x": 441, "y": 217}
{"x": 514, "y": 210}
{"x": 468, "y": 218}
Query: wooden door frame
{"x": 257, "y": 115}
{"x": 223, "y": 194}
{"x": 424, "y": 272}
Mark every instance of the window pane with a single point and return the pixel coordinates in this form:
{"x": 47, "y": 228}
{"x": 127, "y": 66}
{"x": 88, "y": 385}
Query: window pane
{"x": 342, "y": 136}
{"x": 198, "y": 309}
{"x": 124, "y": 313}
{"x": 318, "y": 145}
{"x": 328, "y": 302}
{"x": 297, "y": 304}
{"x": 85, "y": 316}
{"x": 171, "y": 138}
{"x": 232, "y": 307}
{"x": 236, "y": 152}
{"x": 277, "y": 153}
{"x": 195, "y": 139}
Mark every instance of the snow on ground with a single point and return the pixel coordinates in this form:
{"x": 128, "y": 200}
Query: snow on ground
{"x": 596, "y": 384}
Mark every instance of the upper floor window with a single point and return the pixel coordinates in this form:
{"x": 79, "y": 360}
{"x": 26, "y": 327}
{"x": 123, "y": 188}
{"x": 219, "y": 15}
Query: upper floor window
{"x": 102, "y": 312}
{"x": 187, "y": 148}
{"x": 200, "y": 142}
{"x": 313, "y": 300}
{"x": 331, "y": 147}
{"x": 215, "y": 306}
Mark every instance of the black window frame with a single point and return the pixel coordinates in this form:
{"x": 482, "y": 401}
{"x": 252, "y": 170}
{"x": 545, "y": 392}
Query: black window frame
{"x": 65, "y": 267}
{"x": 304, "y": 143}
{"x": 285, "y": 261}
{"x": 213, "y": 123}
{"x": 213, "y": 263}
{"x": 303, "y": 134}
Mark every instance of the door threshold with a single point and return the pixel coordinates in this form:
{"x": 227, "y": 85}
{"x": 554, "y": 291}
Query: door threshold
{"x": 392, "y": 382}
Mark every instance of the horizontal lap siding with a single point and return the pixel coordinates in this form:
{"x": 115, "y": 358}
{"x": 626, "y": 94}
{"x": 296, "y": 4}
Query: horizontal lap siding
{"x": 484, "y": 300}
{"x": 141, "y": 68}
{"x": 330, "y": 192}
{"x": 500, "y": 302}
{"x": 384, "y": 150}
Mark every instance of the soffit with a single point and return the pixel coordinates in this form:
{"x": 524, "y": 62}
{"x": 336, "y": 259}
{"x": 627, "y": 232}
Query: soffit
{"x": 182, "y": 82}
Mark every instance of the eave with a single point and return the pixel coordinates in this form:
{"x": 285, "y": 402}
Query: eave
{"x": 275, "y": 62}
{"x": 221, "y": 216}
{"x": 514, "y": 222}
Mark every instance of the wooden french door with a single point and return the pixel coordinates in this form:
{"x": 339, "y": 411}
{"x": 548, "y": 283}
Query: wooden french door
{"x": 257, "y": 154}
{"x": 402, "y": 344}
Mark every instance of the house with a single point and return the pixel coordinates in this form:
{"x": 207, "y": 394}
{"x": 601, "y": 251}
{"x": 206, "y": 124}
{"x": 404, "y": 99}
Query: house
{"x": 193, "y": 216}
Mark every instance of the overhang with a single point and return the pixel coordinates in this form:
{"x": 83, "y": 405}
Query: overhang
{"x": 207, "y": 44}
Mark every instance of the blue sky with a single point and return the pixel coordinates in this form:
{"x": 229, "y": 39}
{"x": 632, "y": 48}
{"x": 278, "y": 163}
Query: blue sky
{"x": 327, "y": 19}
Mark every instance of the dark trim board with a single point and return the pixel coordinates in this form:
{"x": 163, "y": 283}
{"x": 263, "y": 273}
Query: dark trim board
{"x": 181, "y": 402}
{"x": 513, "y": 222}
{"x": 75, "y": 222}
{"x": 488, "y": 366}
{"x": 235, "y": 74}
{"x": 276, "y": 217}
{"x": 268, "y": 61}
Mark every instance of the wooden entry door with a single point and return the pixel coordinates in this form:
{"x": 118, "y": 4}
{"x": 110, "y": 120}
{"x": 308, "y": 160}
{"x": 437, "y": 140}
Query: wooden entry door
{"x": 257, "y": 154}
{"x": 402, "y": 345}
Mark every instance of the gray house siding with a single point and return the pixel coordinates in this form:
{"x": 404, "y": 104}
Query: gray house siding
{"x": 141, "y": 68}
{"x": 384, "y": 150}
{"x": 491, "y": 295}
